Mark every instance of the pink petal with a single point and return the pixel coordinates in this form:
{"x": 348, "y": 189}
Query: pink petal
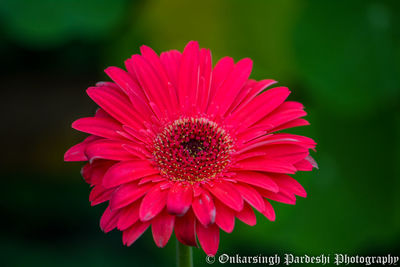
{"x": 188, "y": 74}
{"x": 137, "y": 135}
{"x": 128, "y": 216}
{"x": 208, "y": 238}
{"x": 107, "y": 149}
{"x": 269, "y": 211}
{"x": 225, "y": 217}
{"x": 304, "y": 165}
{"x": 86, "y": 173}
{"x": 126, "y": 82}
{"x": 258, "y": 179}
{"x": 99, "y": 126}
{"x": 153, "y": 202}
{"x": 204, "y": 209}
{"x": 161, "y": 227}
{"x": 130, "y": 235}
{"x": 127, "y": 194}
{"x": 291, "y": 124}
{"x": 205, "y": 76}
{"x": 127, "y": 171}
{"x": 250, "y": 154}
{"x": 185, "y": 229}
{"x": 151, "y": 83}
{"x": 303, "y": 140}
{"x": 260, "y": 106}
{"x": 137, "y": 151}
{"x": 152, "y": 178}
{"x": 155, "y": 62}
{"x": 179, "y": 198}
{"x": 284, "y": 152}
{"x": 227, "y": 193}
{"x": 116, "y": 104}
{"x": 99, "y": 194}
{"x": 290, "y": 184}
{"x": 266, "y": 165}
{"x": 251, "y": 196}
{"x": 108, "y": 84}
{"x": 277, "y": 119}
{"x": 220, "y": 72}
{"x": 251, "y": 89}
{"x": 233, "y": 84}
{"x": 77, "y": 152}
{"x": 277, "y": 139}
{"x": 130, "y": 86}
{"x": 247, "y": 215}
{"x": 109, "y": 220}
{"x": 279, "y": 197}
{"x": 94, "y": 171}
{"x": 171, "y": 62}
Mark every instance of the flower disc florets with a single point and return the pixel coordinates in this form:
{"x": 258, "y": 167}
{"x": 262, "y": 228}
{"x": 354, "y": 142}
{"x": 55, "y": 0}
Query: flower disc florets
{"x": 192, "y": 149}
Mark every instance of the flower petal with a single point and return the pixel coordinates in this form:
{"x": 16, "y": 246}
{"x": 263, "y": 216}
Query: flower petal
{"x": 205, "y": 76}
{"x": 153, "y": 202}
{"x": 127, "y": 171}
{"x": 99, "y": 194}
{"x": 128, "y": 216}
{"x": 269, "y": 211}
{"x": 251, "y": 196}
{"x": 107, "y": 149}
{"x": 266, "y": 165}
{"x": 109, "y": 220}
{"x": 232, "y": 84}
{"x": 161, "y": 227}
{"x": 130, "y": 235}
{"x": 291, "y": 124}
{"x": 179, "y": 198}
{"x": 304, "y": 165}
{"x": 247, "y": 215}
{"x": 204, "y": 208}
{"x": 279, "y": 197}
{"x": 258, "y": 179}
{"x": 290, "y": 184}
{"x": 188, "y": 74}
{"x": 250, "y": 90}
{"x": 225, "y": 217}
{"x": 260, "y": 106}
{"x": 116, "y": 104}
{"x": 219, "y": 74}
{"x": 77, "y": 152}
{"x": 99, "y": 126}
{"x": 227, "y": 193}
{"x": 127, "y": 194}
{"x": 185, "y": 229}
{"x": 291, "y": 153}
{"x": 126, "y": 82}
{"x": 171, "y": 62}
{"x": 208, "y": 238}
{"x": 150, "y": 81}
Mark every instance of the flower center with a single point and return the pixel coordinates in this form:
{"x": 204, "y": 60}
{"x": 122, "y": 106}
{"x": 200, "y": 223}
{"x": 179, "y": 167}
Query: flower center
{"x": 192, "y": 149}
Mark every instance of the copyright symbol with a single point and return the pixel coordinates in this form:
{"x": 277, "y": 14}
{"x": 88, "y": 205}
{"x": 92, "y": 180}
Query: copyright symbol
{"x": 210, "y": 259}
{"x": 223, "y": 258}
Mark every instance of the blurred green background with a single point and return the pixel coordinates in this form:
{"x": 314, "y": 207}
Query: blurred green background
{"x": 340, "y": 58}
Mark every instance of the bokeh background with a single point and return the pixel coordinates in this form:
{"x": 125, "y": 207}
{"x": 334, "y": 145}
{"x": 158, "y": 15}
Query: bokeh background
{"x": 340, "y": 58}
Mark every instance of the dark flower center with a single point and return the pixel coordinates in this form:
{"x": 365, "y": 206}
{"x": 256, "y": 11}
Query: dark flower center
{"x": 192, "y": 149}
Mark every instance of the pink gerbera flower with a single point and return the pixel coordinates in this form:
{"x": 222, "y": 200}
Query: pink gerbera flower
{"x": 182, "y": 146}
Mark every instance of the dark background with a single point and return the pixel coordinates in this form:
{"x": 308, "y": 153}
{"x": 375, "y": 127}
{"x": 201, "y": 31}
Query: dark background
{"x": 340, "y": 58}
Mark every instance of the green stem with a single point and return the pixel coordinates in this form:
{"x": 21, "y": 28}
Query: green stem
{"x": 184, "y": 256}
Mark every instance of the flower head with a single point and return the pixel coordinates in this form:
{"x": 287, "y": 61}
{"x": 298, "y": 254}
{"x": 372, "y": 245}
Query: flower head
{"x": 182, "y": 146}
